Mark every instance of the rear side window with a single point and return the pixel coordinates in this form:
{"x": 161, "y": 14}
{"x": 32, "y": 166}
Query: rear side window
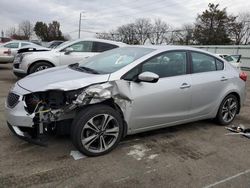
{"x": 202, "y": 62}
{"x": 101, "y": 46}
{"x": 12, "y": 45}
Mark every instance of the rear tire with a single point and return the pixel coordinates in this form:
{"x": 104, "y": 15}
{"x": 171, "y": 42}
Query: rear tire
{"x": 39, "y": 66}
{"x": 228, "y": 110}
{"x": 96, "y": 130}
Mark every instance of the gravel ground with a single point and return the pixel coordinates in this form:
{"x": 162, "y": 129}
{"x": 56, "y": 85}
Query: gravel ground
{"x": 192, "y": 155}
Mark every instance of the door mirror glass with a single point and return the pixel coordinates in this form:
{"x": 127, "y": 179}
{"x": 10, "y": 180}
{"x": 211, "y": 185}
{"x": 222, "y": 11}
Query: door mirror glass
{"x": 68, "y": 50}
{"x": 148, "y": 77}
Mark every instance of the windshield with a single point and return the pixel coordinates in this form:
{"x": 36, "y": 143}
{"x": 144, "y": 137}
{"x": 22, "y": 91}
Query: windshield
{"x": 229, "y": 58}
{"x": 113, "y": 60}
{"x": 61, "y": 45}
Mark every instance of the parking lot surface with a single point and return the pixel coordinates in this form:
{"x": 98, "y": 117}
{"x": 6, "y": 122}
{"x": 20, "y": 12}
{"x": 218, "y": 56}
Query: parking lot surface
{"x": 192, "y": 155}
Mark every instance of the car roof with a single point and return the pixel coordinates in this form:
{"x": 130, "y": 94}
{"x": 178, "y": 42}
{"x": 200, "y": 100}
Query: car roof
{"x": 18, "y": 41}
{"x": 172, "y": 47}
{"x": 102, "y": 40}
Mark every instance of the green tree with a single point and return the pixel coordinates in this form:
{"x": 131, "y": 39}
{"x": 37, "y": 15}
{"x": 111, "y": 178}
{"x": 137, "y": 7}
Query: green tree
{"x": 214, "y": 26}
{"x": 41, "y": 30}
{"x": 54, "y": 31}
{"x": 48, "y": 32}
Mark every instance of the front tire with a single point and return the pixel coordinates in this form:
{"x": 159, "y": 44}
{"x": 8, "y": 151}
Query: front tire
{"x": 96, "y": 130}
{"x": 228, "y": 110}
{"x": 39, "y": 66}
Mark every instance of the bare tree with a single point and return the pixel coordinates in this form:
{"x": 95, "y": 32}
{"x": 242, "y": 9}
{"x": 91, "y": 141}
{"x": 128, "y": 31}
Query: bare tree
{"x": 143, "y": 28}
{"x": 184, "y": 35}
{"x": 26, "y": 29}
{"x": 140, "y": 31}
{"x": 11, "y": 32}
{"x": 112, "y": 35}
{"x": 241, "y": 29}
{"x": 127, "y": 34}
{"x": 160, "y": 32}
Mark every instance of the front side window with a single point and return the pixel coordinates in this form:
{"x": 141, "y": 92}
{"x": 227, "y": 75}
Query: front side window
{"x": 12, "y": 45}
{"x": 167, "y": 64}
{"x": 84, "y": 46}
{"x": 202, "y": 62}
{"x": 101, "y": 46}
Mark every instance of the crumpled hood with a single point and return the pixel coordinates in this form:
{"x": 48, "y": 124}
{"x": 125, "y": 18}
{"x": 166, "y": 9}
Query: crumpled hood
{"x": 60, "y": 78}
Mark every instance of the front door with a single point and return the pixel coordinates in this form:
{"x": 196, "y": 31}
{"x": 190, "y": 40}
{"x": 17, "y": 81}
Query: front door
{"x": 166, "y": 101}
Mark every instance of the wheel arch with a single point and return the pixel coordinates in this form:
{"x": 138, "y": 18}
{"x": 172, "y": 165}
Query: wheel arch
{"x": 38, "y": 61}
{"x": 111, "y": 103}
{"x": 238, "y": 98}
{"x": 237, "y": 95}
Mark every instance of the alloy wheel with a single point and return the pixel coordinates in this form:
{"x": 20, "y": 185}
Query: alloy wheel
{"x": 42, "y": 67}
{"x": 229, "y": 109}
{"x": 99, "y": 133}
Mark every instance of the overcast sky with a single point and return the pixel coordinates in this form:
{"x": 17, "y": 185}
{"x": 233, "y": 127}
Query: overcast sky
{"x": 103, "y": 15}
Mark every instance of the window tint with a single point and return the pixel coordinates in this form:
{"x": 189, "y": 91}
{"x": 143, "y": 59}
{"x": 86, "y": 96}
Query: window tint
{"x": 84, "y": 46}
{"x": 101, "y": 47}
{"x": 219, "y": 65}
{"x": 202, "y": 62}
{"x": 167, "y": 64}
{"x": 12, "y": 45}
{"x": 24, "y": 44}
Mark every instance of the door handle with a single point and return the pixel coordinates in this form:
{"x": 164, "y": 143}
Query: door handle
{"x": 223, "y": 78}
{"x": 185, "y": 85}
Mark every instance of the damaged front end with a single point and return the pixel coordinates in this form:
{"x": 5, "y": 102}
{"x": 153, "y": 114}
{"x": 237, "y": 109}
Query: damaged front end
{"x": 53, "y": 110}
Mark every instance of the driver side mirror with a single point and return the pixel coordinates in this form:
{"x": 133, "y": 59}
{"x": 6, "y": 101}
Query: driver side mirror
{"x": 148, "y": 77}
{"x": 68, "y": 50}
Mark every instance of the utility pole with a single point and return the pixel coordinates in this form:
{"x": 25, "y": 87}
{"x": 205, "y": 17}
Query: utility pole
{"x": 80, "y": 22}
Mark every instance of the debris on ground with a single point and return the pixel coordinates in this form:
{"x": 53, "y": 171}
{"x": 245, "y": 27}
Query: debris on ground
{"x": 77, "y": 155}
{"x": 239, "y": 130}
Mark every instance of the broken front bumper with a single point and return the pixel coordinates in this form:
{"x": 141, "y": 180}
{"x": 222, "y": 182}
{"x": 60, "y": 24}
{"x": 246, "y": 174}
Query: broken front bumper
{"x": 20, "y": 122}
{"x": 26, "y": 136}
{"x": 15, "y": 112}
{"x": 17, "y": 116}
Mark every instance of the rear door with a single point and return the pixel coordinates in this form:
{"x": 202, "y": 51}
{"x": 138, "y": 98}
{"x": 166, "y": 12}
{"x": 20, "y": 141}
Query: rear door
{"x": 208, "y": 83}
{"x": 81, "y": 50}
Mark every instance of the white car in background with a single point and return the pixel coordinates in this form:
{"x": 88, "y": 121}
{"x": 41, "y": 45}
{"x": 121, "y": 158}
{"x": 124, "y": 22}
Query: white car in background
{"x": 5, "y": 56}
{"x": 15, "y": 45}
{"x": 233, "y": 59}
{"x": 69, "y": 52}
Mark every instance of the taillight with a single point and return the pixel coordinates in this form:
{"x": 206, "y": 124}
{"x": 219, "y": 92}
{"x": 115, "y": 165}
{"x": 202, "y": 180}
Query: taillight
{"x": 8, "y": 52}
{"x": 243, "y": 76}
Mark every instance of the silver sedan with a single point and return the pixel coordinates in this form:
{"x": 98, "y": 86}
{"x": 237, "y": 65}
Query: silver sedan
{"x": 125, "y": 91}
